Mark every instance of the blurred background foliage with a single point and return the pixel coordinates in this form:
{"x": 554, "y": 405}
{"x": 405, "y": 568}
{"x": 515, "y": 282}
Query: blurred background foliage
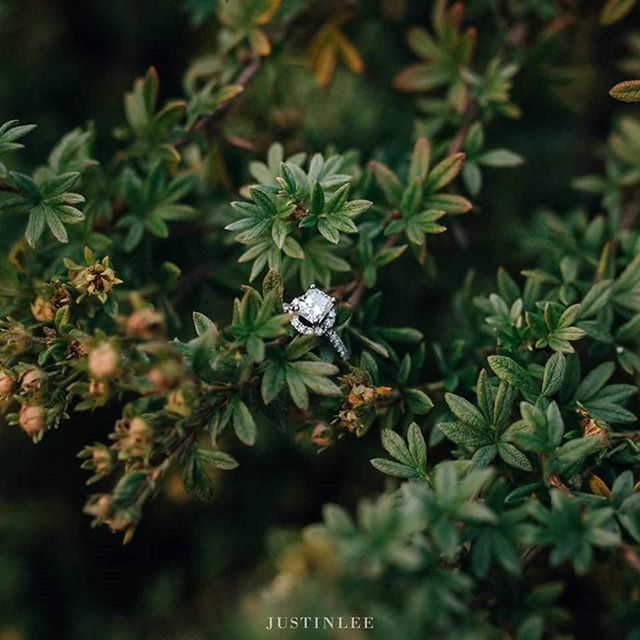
{"x": 64, "y": 64}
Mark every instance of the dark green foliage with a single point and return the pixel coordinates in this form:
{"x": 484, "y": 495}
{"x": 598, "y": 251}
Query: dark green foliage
{"x": 506, "y": 412}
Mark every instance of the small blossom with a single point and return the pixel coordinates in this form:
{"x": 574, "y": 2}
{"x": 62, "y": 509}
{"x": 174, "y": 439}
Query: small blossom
{"x": 103, "y": 360}
{"x": 94, "y": 280}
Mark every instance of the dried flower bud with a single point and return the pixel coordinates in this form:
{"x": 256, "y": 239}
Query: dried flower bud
{"x": 103, "y": 360}
{"x": 121, "y": 521}
{"x": 321, "y": 435}
{"x": 133, "y": 438}
{"x": 60, "y": 296}
{"x": 31, "y": 379}
{"x": 7, "y": 383}
{"x": 144, "y": 324}
{"x": 165, "y": 376}
{"x": 77, "y": 349}
{"x": 43, "y": 310}
{"x": 32, "y": 419}
{"x": 98, "y": 458}
{"x": 593, "y": 427}
{"x": 102, "y": 460}
{"x": 98, "y": 389}
{"x": 16, "y": 339}
{"x": 177, "y": 404}
{"x": 99, "y": 507}
{"x": 140, "y": 430}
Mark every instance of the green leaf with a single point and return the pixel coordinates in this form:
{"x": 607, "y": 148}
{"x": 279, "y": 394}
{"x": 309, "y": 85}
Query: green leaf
{"x": 388, "y": 182}
{"x": 420, "y": 159}
{"x": 328, "y": 231}
{"x": 418, "y": 401}
{"x": 596, "y": 298}
{"x": 218, "y": 459}
{"x": 279, "y": 232}
{"x": 316, "y": 206}
{"x": 55, "y": 225}
{"x": 513, "y": 457}
{"x": 465, "y": 412}
{"x": 11, "y": 131}
{"x": 395, "y": 469}
{"x": 511, "y": 372}
{"x": 615, "y": 10}
{"x": 553, "y": 374}
{"x": 464, "y": 434}
{"x": 417, "y": 447}
{"x": 202, "y": 323}
{"x": 484, "y": 455}
{"x": 500, "y": 158}
{"x": 243, "y": 423}
{"x": 297, "y": 389}
{"x": 594, "y": 381}
{"x": 395, "y": 446}
{"x": 35, "y": 225}
{"x": 273, "y": 382}
{"x": 444, "y": 172}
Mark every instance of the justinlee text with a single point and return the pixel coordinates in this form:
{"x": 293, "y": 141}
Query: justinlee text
{"x": 319, "y": 622}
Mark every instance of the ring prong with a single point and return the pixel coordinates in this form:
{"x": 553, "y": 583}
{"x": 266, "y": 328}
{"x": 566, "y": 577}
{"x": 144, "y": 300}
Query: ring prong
{"x": 312, "y": 286}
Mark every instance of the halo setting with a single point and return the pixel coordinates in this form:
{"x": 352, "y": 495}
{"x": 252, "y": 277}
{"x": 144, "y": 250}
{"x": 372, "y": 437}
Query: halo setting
{"x": 314, "y": 313}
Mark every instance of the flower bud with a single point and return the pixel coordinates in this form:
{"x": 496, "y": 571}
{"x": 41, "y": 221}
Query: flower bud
{"x": 77, "y": 349}
{"x": 31, "y": 378}
{"x": 6, "y": 384}
{"x": 144, "y": 324}
{"x": 97, "y": 391}
{"x": 121, "y": 521}
{"x": 16, "y": 339}
{"x": 43, "y": 310}
{"x": 31, "y": 419}
{"x": 321, "y": 435}
{"x": 103, "y": 360}
{"x": 177, "y": 404}
{"x": 99, "y": 506}
{"x": 165, "y": 376}
{"x": 140, "y": 430}
{"x": 102, "y": 460}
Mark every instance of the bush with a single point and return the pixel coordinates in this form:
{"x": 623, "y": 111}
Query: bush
{"x": 166, "y": 282}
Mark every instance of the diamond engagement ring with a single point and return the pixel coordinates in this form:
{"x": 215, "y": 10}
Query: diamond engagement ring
{"x": 314, "y": 313}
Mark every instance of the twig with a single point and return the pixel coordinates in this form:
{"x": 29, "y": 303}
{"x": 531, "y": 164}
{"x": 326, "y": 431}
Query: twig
{"x": 9, "y": 189}
{"x": 208, "y": 125}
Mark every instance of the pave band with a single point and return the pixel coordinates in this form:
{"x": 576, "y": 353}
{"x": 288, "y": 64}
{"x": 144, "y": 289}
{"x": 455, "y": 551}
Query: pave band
{"x": 338, "y": 345}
